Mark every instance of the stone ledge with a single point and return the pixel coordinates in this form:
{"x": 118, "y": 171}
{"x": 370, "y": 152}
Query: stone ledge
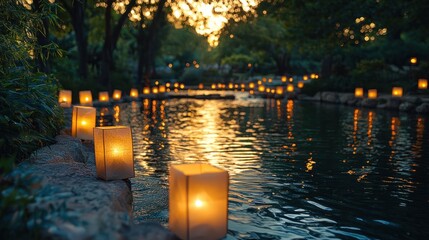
{"x": 74, "y": 204}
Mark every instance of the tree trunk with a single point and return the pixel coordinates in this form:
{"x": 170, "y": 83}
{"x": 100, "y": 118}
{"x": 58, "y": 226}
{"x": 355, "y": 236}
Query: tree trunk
{"x": 81, "y": 35}
{"x": 42, "y": 63}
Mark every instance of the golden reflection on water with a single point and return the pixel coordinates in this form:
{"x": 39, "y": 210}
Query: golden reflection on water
{"x": 418, "y": 145}
{"x": 370, "y": 125}
{"x": 394, "y": 125}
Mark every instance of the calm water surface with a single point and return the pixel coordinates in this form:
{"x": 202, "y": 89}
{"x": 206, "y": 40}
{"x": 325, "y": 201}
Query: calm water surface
{"x": 297, "y": 169}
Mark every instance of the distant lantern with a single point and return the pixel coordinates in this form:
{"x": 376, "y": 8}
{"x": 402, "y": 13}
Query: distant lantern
{"x": 155, "y": 90}
{"x": 176, "y": 85}
{"x": 261, "y": 88}
{"x": 134, "y": 93}
{"x": 113, "y": 147}
{"x": 268, "y": 90}
{"x": 182, "y": 86}
{"x": 251, "y": 85}
{"x": 413, "y": 60}
{"x": 372, "y": 93}
{"x": 236, "y": 86}
{"x": 242, "y": 86}
{"x": 117, "y": 94}
{"x": 83, "y": 122}
{"x": 305, "y": 78}
{"x": 162, "y": 89}
{"x": 397, "y": 92}
{"x": 213, "y": 86}
{"x": 291, "y": 79}
{"x": 284, "y": 78}
{"x": 290, "y": 88}
{"x": 146, "y": 90}
{"x": 300, "y": 85}
{"x": 65, "y": 98}
{"x": 359, "y": 92}
{"x": 85, "y": 98}
{"x": 198, "y": 201}
{"x": 200, "y": 86}
{"x": 423, "y": 83}
{"x": 230, "y": 85}
{"x": 279, "y": 90}
{"x": 103, "y": 96}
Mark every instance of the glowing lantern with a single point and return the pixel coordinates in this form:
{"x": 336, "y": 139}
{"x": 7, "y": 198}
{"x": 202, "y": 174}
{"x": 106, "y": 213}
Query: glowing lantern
{"x": 423, "y": 84}
{"x": 261, "y": 88}
{"x": 259, "y": 82}
{"x": 291, "y": 79}
{"x": 397, "y": 92}
{"x": 85, "y": 98}
{"x": 235, "y": 86}
{"x": 113, "y": 147}
{"x": 372, "y": 93}
{"x": 268, "y": 90}
{"x": 198, "y": 201}
{"x": 242, "y": 85}
{"x": 117, "y": 94}
{"x": 176, "y": 85}
{"x": 413, "y": 60}
{"x": 300, "y": 84}
{"x": 65, "y": 98}
{"x": 279, "y": 90}
{"x": 290, "y": 88}
{"x": 134, "y": 93}
{"x": 251, "y": 85}
{"x": 167, "y": 85}
{"x": 182, "y": 86}
{"x": 213, "y": 86}
{"x": 103, "y": 96}
{"x": 251, "y": 92}
{"x": 200, "y": 86}
{"x": 162, "y": 89}
{"x": 230, "y": 85}
{"x": 146, "y": 90}
{"x": 83, "y": 121}
{"x": 305, "y": 78}
{"x": 284, "y": 78}
{"x": 155, "y": 90}
{"x": 358, "y": 92}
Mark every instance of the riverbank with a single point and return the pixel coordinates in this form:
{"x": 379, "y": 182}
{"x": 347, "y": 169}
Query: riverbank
{"x": 71, "y": 203}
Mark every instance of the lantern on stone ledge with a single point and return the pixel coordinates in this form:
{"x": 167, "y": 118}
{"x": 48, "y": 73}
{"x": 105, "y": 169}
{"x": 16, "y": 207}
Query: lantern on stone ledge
{"x": 85, "y": 98}
{"x": 198, "y": 201}
{"x": 300, "y": 85}
{"x": 103, "y": 96}
{"x": 117, "y": 95}
{"x": 146, "y": 90}
{"x": 279, "y": 90}
{"x": 65, "y": 98}
{"x": 162, "y": 89}
{"x": 290, "y": 88}
{"x": 423, "y": 83}
{"x": 134, "y": 93}
{"x": 372, "y": 93}
{"x": 83, "y": 122}
{"x": 397, "y": 92}
{"x": 113, "y": 147}
{"x": 358, "y": 92}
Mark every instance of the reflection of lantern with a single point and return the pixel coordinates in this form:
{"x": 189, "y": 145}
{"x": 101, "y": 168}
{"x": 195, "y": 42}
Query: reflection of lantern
{"x": 155, "y": 90}
{"x": 162, "y": 89}
{"x": 198, "y": 201}
{"x": 117, "y": 94}
{"x": 103, "y": 96}
{"x": 200, "y": 86}
{"x": 372, "y": 93}
{"x": 289, "y": 88}
{"x": 397, "y": 92}
{"x": 146, "y": 90}
{"x": 423, "y": 83}
{"x": 261, "y": 88}
{"x": 134, "y": 93}
{"x": 300, "y": 84}
{"x": 113, "y": 147}
{"x": 279, "y": 90}
{"x": 358, "y": 92}
{"x": 65, "y": 98}
{"x": 284, "y": 78}
{"x": 85, "y": 98}
{"x": 251, "y": 92}
{"x": 83, "y": 121}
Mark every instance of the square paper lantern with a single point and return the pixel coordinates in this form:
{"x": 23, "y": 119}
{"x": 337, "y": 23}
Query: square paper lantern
{"x": 300, "y": 84}
{"x": 162, "y": 89}
{"x": 289, "y": 88}
{"x": 85, "y": 98}
{"x": 198, "y": 201}
{"x": 372, "y": 93}
{"x": 117, "y": 95}
{"x": 423, "y": 83}
{"x": 103, "y": 96}
{"x": 134, "y": 93}
{"x": 155, "y": 90}
{"x": 397, "y": 92}
{"x": 359, "y": 92}
{"x": 146, "y": 90}
{"x": 83, "y": 122}
{"x": 113, "y": 147}
{"x": 279, "y": 90}
{"x": 65, "y": 98}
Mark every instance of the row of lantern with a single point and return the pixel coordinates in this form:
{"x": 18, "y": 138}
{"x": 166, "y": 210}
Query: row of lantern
{"x": 198, "y": 193}
{"x": 396, "y": 91}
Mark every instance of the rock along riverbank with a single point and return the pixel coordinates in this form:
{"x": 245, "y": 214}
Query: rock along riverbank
{"x": 71, "y": 203}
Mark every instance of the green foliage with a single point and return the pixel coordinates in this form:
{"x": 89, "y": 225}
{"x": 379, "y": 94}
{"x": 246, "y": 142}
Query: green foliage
{"x": 191, "y": 76}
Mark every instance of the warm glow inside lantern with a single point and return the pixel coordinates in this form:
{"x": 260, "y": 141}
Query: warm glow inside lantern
{"x": 213, "y": 86}
{"x": 397, "y": 92}
{"x": 83, "y": 121}
{"x": 423, "y": 83}
{"x": 300, "y": 85}
{"x": 230, "y": 85}
{"x": 103, "y": 96}
{"x": 372, "y": 93}
{"x": 162, "y": 89}
{"x": 113, "y": 147}
{"x": 251, "y": 85}
{"x": 359, "y": 92}
{"x": 200, "y": 86}
{"x": 134, "y": 93}
{"x": 182, "y": 86}
{"x": 284, "y": 78}
{"x": 146, "y": 90}
{"x": 261, "y": 88}
{"x": 198, "y": 201}
{"x": 289, "y": 88}
{"x": 65, "y": 98}
{"x": 279, "y": 90}
{"x": 155, "y": 90}
{"x": 117, "y": 95}
{"x": 85, "y": 98}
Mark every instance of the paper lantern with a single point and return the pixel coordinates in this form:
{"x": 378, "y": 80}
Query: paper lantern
{"x": 279, "y": 90}
{"x": 85, "y": 98}
{"x": 83, "y": 122}
{"x": 413, "y": 60}
{"x": 300, "y": 84}
{"x": 284, "y": 78}
{"x": 113, "y": 147}
{"x": 251, "y": 85}
{"x": 200, "y": 86}
{"x": 397, "y": 92}
{"x": 103, "y": 96}
{"x": 182, "y": 86}
{"x": 261, "y": 88}
{"x": 423, "y": 83}
{"x": 146, "y": 90}
{"x": 290, "y": 88}
{"x": 65, "y": 98}
{"x": 198, "y": 201}
{"x": 162, "y": 89}
{"x": 213, "y": 86}
{"x": 359, "y": 92}
{"x": 230, "y": 85}
{"x": 155, "y": 90}
{"x": 134, "y": 93}
{"x": 117, "y": 95}
{"x": 372, "y": 93}
{"x": 305, "y": 78}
